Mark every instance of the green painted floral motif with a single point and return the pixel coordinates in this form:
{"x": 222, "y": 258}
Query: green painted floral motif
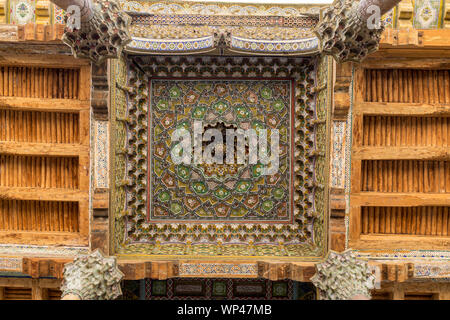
{"x": 243, "y": 186}
{"x": 176, "y": 208}
{"x": 242, "y": 112}
{"x": 174, "y": 92}
{"x": 200, "y": 87}
{"x": 257, "y": 125}
{"x": 278, "y": 105}
{"x": 279, "y": 289}
{"x": 278, "y": 193}
{"x": 199, "y": 188}
{"x": 257, "y": 170}
{"x": 267, "y": 205}
{"x": 162, "y": 105}
{"x": 241, "y": 212}
{"x": 164, "y": 196}
{"x": 183, "y": 172}
{"x": 266, "y": 93}
{"x": 157, "y": 168}
{"x": 220, "y": 107}
{"x": 221, "y": 193}
{"x": 159, "y": 287}
{"x": 158, "y": 130}
{"x": 183, "y": 125}
{"x": 199, "y": 112}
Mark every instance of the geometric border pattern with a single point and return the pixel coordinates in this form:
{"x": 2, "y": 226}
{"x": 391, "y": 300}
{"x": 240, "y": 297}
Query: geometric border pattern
{"x": 218, "y": 289}
{"x": 204, "y": 269}
{"x": 10, "y": 264}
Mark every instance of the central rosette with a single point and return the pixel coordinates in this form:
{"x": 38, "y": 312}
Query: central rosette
{"x": 191, "y": 122}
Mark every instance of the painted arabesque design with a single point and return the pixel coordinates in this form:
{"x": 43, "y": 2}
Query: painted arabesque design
{"x": 219, "y": 192}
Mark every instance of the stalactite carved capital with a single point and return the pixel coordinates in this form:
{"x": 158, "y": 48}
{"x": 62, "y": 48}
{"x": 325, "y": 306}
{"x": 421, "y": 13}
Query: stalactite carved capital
{"x": 344, "y": 34}
{"x": 92, "y": 277}
{"x": 103, "y": 36}
{"x": 342, "y": 276}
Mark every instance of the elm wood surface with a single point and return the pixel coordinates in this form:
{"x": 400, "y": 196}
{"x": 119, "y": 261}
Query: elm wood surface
{"x": 44, "y": 152}
{"x": 39, "y": 82}
{"x": 43, "y": 59}
{"x": 48, "y": 216}
{"x": 392, "y": 109}
{"x": 43, "y": 104}
{"x": 411, "y": 42}
{"x": 400, "y": 155}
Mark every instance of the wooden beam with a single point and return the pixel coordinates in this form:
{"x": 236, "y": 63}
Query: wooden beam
{"x": 43, "y": 238}
{"x": 45, "y": 149}
{"x": 380, "y": 199}
{"x": 38, "y": 293}
{"x": 42, "y": 60}
{"x": 276, "y": 270}
{"x": 101, "y": 200}
{"x": 45, "y": 267}
{"x": 401, "y": 153}
{"x": 42, "y": 104}
{"x": 25, "y": 193}
{"x": 389, "y": 62}
{"x": 392, "y": 242}
{"x": 398, "y": 271}
{"x": 50, "y": 283}
{"x": 302, "y": 272}
{"x": 29, "y": 282}
{"x": 402, "y": 109}
{"x": 15, "y": 282}
{"x": 161, "y": 270}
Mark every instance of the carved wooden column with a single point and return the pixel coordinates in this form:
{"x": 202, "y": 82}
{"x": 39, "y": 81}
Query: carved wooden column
{"x": 103, "y": 31}
{"x": 92, "y": 277}
{"x": 346, "y": 31}
{"x": 344, "y": 277}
